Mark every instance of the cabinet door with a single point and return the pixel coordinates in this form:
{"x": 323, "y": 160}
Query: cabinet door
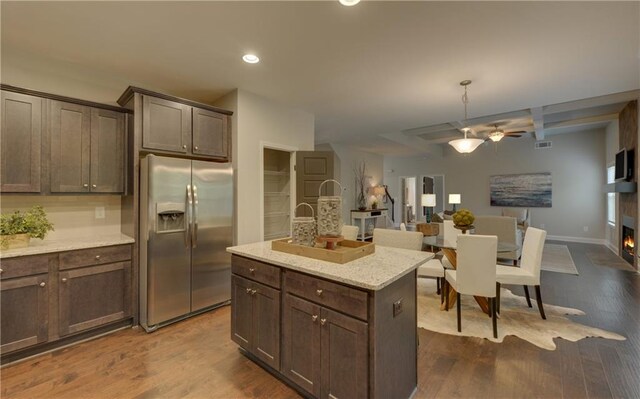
{"x": 210, "y": 134}
{"x": 345, "y": 371}
{"x": 166, "y": 125}
{"x": 301, "y": 343}
{"x": 107, "y": 151}
{"x": 266, "y": 325}
{"x": 241, "y": 312}
{"x": 21, "y": 134}
{"x": 70, "y": 141}
{"x": 93, "y": 296}
{"x": 25, "y": 312}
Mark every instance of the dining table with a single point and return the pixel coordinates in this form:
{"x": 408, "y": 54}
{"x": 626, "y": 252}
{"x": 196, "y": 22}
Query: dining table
{"x": 448, "y": 247}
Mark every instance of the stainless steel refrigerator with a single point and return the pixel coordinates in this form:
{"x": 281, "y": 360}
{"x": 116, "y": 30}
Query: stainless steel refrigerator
{"x": 186, "y": 211}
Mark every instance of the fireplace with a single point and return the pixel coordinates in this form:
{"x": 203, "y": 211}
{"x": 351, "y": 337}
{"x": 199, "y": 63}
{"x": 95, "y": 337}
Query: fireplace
{"x": 627, "y": 241}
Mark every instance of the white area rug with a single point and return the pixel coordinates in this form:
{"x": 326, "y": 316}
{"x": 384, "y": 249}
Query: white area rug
{"x": 557, "y": 258}
{"x": 516, "y": 318}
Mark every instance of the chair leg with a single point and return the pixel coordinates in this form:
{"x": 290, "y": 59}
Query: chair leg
{"x": 446, "y": 295}
{"x": 459, "y": 316}
{"x": 539, "y": 299}
{"x": 443, "y": 282}
{"x": 438, "y": 285}
{"x": 515, "y": 262}
{"x": 526, "y": 293}
{"x": 495, "y": 317}
{"x": 498, "y": 297}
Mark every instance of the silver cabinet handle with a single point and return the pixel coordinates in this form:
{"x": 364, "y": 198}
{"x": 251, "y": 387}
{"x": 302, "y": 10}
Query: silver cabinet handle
{"x": 97, "y": 257}
{"x": 1, "y": 271}
{"x": 248, "y": 290}
{"x": 195, "y": 148}
{"x": 94, "y": 186}
{"x": 252, "y": 270}
{"x": 85, "y": 185}
{"x": 64, "y": 280}
{"x": 184, "y": 146}
{"x": 253, "y": 292}
{"x": 314, "y": 318}
{"x": 319, "y": 292}
{"x": 194, "y": 234}
{"x": 42, "y": 284}
{"x": 323, "y": 321}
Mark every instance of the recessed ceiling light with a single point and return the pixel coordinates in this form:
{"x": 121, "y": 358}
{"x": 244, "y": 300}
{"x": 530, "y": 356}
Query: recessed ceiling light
{"x": 349, "y": 3}
{"x": 250, "y": 58}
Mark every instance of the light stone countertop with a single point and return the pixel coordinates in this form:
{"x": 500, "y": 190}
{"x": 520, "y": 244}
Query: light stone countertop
{"x": 37, "y": 246}
{"x": 372, "y": 272}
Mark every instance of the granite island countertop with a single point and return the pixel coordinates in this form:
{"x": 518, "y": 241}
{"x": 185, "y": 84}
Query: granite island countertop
{"x": 372, "y": 272}
{"x": 37, "y": 246}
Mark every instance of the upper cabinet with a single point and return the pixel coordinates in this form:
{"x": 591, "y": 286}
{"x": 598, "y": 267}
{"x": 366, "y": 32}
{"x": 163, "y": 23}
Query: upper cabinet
{"x": 20, "y": 143}
{"x": 55, "y": 144}
{"x": 87, "y": 149}
{"x": 173, "y": 125}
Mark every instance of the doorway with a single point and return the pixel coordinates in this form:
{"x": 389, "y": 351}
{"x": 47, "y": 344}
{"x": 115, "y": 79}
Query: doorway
{"x": 408, "y": 199}
{"x": 433, "y": 184}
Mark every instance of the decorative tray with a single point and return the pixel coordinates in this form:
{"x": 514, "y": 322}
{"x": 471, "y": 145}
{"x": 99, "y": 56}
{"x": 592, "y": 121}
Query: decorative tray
{"x": 345, "y": 251}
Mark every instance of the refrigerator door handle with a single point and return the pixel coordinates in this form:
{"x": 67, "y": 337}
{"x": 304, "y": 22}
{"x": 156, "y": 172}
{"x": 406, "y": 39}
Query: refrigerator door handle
{"x": 187, "y": 231}
{"x": 194, "y": 232}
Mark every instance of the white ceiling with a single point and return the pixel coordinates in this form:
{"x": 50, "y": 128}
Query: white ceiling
{"x": 370, "y": 73}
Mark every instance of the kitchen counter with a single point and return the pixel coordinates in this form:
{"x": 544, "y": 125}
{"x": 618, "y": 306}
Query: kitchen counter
{"x": 372, "y": 272}
{"x": 37, "y": 246}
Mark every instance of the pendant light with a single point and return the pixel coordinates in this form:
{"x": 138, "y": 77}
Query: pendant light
{"x": 465, "y": 145}
{"x": 496, "y": 134}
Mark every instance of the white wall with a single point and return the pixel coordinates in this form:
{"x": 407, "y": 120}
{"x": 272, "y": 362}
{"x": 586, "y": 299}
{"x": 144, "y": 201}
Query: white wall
{"x": 259, "y": 120}
{"x": 576, "y": 162}
{"x": 73, "y": 216}
{"x": 612, "y": 145}
{"x": 350, "y": 158}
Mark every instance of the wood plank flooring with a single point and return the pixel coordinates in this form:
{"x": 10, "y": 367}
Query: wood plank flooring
{"x": 196, "y": 358}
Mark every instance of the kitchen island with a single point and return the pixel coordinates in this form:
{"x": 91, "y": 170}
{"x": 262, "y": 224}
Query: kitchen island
{"x": 340, "y": 330}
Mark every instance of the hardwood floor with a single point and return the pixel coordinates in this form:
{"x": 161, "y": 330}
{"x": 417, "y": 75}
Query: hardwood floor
{"x": 196, "y": 358}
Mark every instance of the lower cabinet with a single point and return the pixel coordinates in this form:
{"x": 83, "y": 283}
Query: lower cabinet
{"x": 255, "y": 319}
{"x": 93, "y": 289}
{"x": 25, "y": 312}
{"x": 93, "y": 296}
{"x": 325, "y": 352}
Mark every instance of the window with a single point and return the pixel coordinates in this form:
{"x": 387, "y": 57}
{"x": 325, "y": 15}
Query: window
{"x": 611, "y": 197}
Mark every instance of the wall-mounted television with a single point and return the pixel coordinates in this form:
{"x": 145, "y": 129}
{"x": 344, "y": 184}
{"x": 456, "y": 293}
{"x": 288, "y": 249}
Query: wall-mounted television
{"x": 624, "y": 165}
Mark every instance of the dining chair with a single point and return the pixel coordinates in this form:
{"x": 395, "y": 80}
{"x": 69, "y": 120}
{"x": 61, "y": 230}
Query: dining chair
{"x": 529, "y": 271}
{"x": 450, "y": 232}
{"x": 350, "y": 232}
{"x": 398, "y": 239}
{"x": 475, "y": 273}
{"x": 433, "y": 269}
{"x": 403, "y": 227}
{"x": 506, "y": 229}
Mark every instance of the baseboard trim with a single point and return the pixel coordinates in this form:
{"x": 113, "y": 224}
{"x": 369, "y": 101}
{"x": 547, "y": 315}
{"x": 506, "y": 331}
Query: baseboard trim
{"x": 584, "y": 240}
{"x": 613, "y": 248}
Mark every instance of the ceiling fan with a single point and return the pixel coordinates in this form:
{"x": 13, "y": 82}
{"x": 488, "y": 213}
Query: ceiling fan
{"x": 496, "y": 134}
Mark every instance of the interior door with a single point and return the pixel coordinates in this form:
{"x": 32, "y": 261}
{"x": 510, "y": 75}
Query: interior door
{"x": 427, "y": 188}
{"x": 312, "y": 168}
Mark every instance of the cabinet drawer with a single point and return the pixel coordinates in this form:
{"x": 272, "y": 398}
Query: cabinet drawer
{"x": 24, "y": 266}
{"x": 94, "y": 256}
{"x": 344, "y": 299}
{"x": 254, "y": 270}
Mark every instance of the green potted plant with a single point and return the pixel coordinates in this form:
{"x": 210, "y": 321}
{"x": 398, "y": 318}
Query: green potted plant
{"x": 17, "y": 228}
{"x": 374, "y": 204}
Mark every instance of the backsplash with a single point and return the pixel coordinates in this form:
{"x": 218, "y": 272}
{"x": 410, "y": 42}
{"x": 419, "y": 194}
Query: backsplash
{"x": 72, "y": 216}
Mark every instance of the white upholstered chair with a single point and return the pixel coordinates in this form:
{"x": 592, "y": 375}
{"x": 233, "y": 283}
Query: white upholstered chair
{"x": 507, "y": 231}
{"x": 350, "y": 232}
{"x": 529, "y": 271}
{"x": 403, "y": 227}
{"x": 522, "y": 215}
{"x": 450, "y": 233}
{"x": 398, "y": 239}
{"x": 475, "y": 273}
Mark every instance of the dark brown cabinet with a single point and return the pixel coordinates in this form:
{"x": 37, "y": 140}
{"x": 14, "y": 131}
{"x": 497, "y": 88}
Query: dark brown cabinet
{"x": 87, "y": 149}
{"x": 25, "y": 312}
{"x": 255, "y": 319}
{"x": 170, "y": 126}
{"x": 325, "y": 352}
{"x": 92, "y": 296}
{"x": 20, "y": 143}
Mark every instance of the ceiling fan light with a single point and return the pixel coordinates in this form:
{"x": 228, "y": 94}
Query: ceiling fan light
{"x": 496, "y": 136}
{"x": 465, "y": 146}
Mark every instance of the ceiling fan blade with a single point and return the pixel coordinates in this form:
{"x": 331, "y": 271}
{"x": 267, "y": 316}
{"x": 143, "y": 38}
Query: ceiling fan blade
{"x": 515, "y": 132}
{"x": 515, "y": 136}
